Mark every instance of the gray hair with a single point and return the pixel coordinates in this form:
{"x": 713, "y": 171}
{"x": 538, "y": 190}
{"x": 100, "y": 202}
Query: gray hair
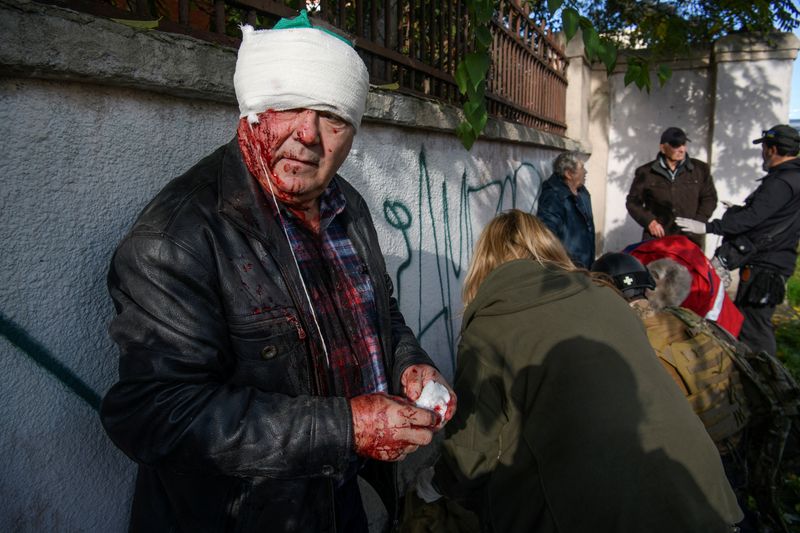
{"x": 567, "y": 161}
{"x": 673, "y": 283}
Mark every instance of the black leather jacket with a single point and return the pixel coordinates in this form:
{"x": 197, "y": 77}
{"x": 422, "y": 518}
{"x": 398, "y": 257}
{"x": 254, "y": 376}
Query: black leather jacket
{"x": 216, "y": 399}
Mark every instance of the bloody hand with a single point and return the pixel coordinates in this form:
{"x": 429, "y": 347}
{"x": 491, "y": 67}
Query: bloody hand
{"x": 414, "y": 379}
{"x": 388, "y": 428}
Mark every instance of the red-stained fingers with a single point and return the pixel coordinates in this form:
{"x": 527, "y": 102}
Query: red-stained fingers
{"x": 389, "y": 428}
{"x": 451, "y": 405}
{"x": 414, "y": 379}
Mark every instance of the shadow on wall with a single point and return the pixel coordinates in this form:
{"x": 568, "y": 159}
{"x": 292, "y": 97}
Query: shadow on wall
{"x": 738, "y": 159}
{"x": 722, "y": 129}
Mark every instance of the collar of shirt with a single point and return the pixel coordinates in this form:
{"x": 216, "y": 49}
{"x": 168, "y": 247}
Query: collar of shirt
{"x": 672, "y": 173}
{"x": 331, "y": 203}
{"x": 564, "y": 190}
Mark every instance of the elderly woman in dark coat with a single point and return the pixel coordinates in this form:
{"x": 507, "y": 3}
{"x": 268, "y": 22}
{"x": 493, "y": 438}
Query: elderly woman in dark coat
{"x": 565, "y": 207}
{"x": 566, "y": 420}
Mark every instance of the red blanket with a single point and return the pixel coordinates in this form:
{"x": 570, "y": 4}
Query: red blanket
{"x": 707, "y": 297}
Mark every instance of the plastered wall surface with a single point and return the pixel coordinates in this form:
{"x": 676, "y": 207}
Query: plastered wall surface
{"x": 722, "y": 98}
{"x": 634, "y": 131}
{"x": 751, "y": 97}
{"x": 79, "y": 162}
{"x": 430, "y": 199}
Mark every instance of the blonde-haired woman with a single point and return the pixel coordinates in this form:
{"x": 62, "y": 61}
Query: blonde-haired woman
{"x": 566, "y": 420}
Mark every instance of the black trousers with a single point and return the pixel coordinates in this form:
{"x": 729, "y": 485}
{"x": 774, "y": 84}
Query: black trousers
{"x": 760, "y": 291}
{"x": 757, "y": 331}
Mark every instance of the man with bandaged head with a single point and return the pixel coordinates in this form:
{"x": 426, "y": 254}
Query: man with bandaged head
{"x": 264, "y": 363}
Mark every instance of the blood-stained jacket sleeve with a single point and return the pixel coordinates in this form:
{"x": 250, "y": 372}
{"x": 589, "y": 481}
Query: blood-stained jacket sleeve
{"x": 174, "y": 406}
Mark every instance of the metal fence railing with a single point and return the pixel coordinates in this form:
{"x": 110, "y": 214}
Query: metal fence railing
{"x": 416, "y": 44}
{"x": 527, "y": 81}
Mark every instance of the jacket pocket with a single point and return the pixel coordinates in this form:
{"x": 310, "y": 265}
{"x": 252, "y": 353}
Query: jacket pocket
{"x": 271, "y": 355}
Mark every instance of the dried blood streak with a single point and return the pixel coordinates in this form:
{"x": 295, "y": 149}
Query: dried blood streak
{"x": 378, "y": 435}
{"x": 259, "y": 140}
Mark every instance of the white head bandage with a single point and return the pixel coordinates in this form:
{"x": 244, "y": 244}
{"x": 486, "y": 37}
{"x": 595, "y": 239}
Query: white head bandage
{"x": 295, "y": 68}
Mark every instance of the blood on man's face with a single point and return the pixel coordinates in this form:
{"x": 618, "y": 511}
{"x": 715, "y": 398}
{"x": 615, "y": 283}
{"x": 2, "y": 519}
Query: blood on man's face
{"x": 301, "y": 148}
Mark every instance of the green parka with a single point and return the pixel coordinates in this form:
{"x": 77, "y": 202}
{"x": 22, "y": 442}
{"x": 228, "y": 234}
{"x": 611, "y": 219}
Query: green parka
{"x": 567, "y": 422}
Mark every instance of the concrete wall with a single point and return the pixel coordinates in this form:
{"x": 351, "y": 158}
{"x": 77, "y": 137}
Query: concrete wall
{"x": 753, "y": 87}
{"x": 94, "y": 119}
{"x": 634, "y": 130}
{"x": 722, "y": 98}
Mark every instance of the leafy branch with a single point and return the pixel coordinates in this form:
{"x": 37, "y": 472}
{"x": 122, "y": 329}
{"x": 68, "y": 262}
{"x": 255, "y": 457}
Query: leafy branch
{"x": 471, "y": 72}
{"x": 653, "y": 33}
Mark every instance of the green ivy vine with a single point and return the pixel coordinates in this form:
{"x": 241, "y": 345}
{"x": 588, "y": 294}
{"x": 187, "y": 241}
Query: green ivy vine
{"x": 472, "y": 70}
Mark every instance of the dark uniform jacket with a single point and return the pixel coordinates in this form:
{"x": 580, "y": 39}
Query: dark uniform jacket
{"x": 656, "y": 196}
{"x": 569, "y": 217}
{"x": 566, "y": 420}
{"x": 773, "y": 206}
{"x": 219, "y": 360}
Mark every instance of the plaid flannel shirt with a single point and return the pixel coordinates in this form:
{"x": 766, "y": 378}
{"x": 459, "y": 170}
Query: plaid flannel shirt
{"x": 343, "y": 297}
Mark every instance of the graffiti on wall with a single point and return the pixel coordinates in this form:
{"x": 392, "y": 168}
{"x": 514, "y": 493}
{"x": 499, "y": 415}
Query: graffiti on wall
{"x": 37, "y": 353}
{"x": 453, "y": 228}
{"x": 450, "y": 228}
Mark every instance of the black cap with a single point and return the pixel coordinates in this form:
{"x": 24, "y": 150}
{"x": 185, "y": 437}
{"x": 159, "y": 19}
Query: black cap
{"x": 674, "y": 137}
{"x": 781, "y": 135}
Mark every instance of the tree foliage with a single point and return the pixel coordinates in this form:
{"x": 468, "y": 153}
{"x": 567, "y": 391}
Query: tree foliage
{"x": 471, "y": 72}
{"x": 650, "y": 32}
{"x": 654, "y": 32}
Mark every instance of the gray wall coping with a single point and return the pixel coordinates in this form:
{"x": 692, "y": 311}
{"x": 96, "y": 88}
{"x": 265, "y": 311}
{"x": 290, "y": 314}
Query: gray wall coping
{"x": 749, "y": 48}
{"x": 44, "y": 41}
{"x": 738, "y": 47}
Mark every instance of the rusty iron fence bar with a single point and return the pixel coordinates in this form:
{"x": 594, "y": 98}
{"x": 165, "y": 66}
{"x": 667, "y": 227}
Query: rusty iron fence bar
{"x": 527, "y": 82}
{"x": 414, "y": 43}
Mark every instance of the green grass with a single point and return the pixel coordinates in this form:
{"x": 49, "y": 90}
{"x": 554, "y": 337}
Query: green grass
{"x": 793, "y": 287}
{"x": 787, "y": 335}
{"x": 787, "y": 325}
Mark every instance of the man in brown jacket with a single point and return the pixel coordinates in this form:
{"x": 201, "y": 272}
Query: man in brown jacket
{"x": 673, "y": 185}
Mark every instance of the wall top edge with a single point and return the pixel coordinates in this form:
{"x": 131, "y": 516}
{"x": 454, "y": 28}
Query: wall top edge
{"x": 78, "y": 48}
{"x": 736, "y": 47}
{"x": 430, "y": 115}
{"x": 776, "y": 43}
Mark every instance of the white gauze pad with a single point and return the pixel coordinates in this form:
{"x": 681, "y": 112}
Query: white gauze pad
{"x": 434, "y": 397}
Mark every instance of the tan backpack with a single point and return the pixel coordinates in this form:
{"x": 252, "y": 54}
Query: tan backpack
{"x": 729, "y": 387}
{"x": 706, "y": 368}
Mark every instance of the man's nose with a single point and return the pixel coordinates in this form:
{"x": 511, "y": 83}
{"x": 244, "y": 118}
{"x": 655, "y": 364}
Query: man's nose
{"x": 307, "y": 127}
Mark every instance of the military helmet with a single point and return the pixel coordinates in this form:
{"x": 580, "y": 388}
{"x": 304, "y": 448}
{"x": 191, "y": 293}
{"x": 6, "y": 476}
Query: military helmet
{"x": 628, "y": 274}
